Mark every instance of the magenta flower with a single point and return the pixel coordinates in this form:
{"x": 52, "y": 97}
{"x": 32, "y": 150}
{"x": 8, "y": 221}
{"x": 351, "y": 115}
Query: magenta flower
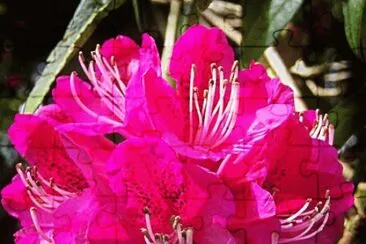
{"x": 298, "y": 166}
{"x": 146, "y": 196}
{"x": 269, "y": 176}
{"x": 101, "y": 106}
{"x": 53, "y": 175}
{"x": 194, "y": 198}
{"x": 215, "y": 103}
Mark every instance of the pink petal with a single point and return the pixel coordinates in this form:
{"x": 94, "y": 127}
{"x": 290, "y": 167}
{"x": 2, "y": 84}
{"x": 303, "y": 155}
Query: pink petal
{"x": 86, "y": 218}
{"x": 88, "y": 153}
{"x": 309, "y": 118}
{"x": 214, "y": 234}
{"x": 138, "y": 121}
{"x": 40, "y": 143}
{"x": 305, "y": 168}
{"x": 200, "y": 46}
{"x": 125, "y": 52}
{"x": 257, "y": 232}
{"x": 265, "y": 104}
{"x": 155, "y": 175}
{"x": 16, "y": 202}
{"x": 64, "y": 98}
{"x": 254, "y": 221}
{"x": 53, "y": 114}
{"x": 26, "y": 236}
{"x": 129, "y": 56}
{"x": 149, "y": 54}
{"x": 163, "y": 105}
{"x": 207, "y": 195}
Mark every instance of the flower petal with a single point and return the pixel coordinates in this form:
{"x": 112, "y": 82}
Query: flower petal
{"x": 163, "y": 105}
{"x": 16, "y": 202}
{"x": 255, "y": 220}
{"x": 64, "y": 98}
{"x": 39, "y": 142}
{"x": 200, "y": 46}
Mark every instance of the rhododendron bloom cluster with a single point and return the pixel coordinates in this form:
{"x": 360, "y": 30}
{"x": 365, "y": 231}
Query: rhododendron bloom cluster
{"x": 221, "y": 158}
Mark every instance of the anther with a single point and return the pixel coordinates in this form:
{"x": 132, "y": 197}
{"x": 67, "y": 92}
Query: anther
{"x": 176, "y": 222}
{"x": 146, "y": 211}
{"x": 81, "y": 56}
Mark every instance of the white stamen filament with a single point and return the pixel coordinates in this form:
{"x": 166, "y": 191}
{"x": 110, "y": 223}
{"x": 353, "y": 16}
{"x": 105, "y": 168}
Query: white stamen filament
{"x": 85, "y": 108}
{"x": 232, "y": 115}
{"x": 109, "y": 86}
{"x": 36, "y": 190}
{"x": 331, "y": 132}
{"x": 300, "y": 226}
{"x": 179, "y": 235}
{"x": 106, "y": 96}
{"x": 33, "y": 214}
{"x": 195, "y": 97}
{"x": 103, "y": 64}
{"x": 298, "y": 213}
{"x": 148, "y": 226}
{"x": 215, "y": 119}
{"x": 191, "y": 84}
{"x": 322, "y": 130}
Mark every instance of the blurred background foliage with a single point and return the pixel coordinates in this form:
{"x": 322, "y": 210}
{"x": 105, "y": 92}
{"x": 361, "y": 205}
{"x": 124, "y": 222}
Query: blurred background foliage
{"x": 317, "y": 47}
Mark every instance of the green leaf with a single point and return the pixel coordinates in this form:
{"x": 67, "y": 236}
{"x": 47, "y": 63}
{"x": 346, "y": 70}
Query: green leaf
{"x": 85, "y": 20}
{"x": 353, "y": 22}
{"x": 262, "y": 22}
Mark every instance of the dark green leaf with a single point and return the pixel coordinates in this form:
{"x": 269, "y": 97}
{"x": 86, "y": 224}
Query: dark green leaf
{"x": 353, "y": 16}
{"x": 143, "y": 15}
{"x": 262, "y": 22}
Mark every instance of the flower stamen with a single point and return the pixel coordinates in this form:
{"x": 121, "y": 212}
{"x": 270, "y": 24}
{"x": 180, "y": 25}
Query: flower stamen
{"x": 299, "y": 225}
{"x": 35, "y": 185}
{"x": 44, "y": 236}
{"x": 85, "y": 108}
{"x": 107, "y": 84}
{"x": 215, "y": 119}
{"x": 322, "y": 129}
{"x": 179, "y": 235}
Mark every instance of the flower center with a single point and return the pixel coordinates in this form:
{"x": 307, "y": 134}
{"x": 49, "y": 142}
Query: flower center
{"x": 38, "y": 189}
{"x": 305, "y": 223}
{"x": 217, "y": 114}
{"x": 107, "y": 83}
{"x": 180, "y": 235}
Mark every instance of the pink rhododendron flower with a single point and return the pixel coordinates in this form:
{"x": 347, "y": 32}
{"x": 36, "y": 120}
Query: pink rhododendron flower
{"x": 148, "y": 191}
{"x": 215, "y": 103}
{"x": 101, "y": 105}
{"x": 52, "y": 176}
{"x": 223, "y": 158}
{"x": 298, "y": 166}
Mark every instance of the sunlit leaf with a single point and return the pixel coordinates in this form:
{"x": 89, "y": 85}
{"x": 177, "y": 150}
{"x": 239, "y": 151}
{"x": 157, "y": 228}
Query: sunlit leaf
{"x": 353, "y": 21}
{"x": 262, "y": 22}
